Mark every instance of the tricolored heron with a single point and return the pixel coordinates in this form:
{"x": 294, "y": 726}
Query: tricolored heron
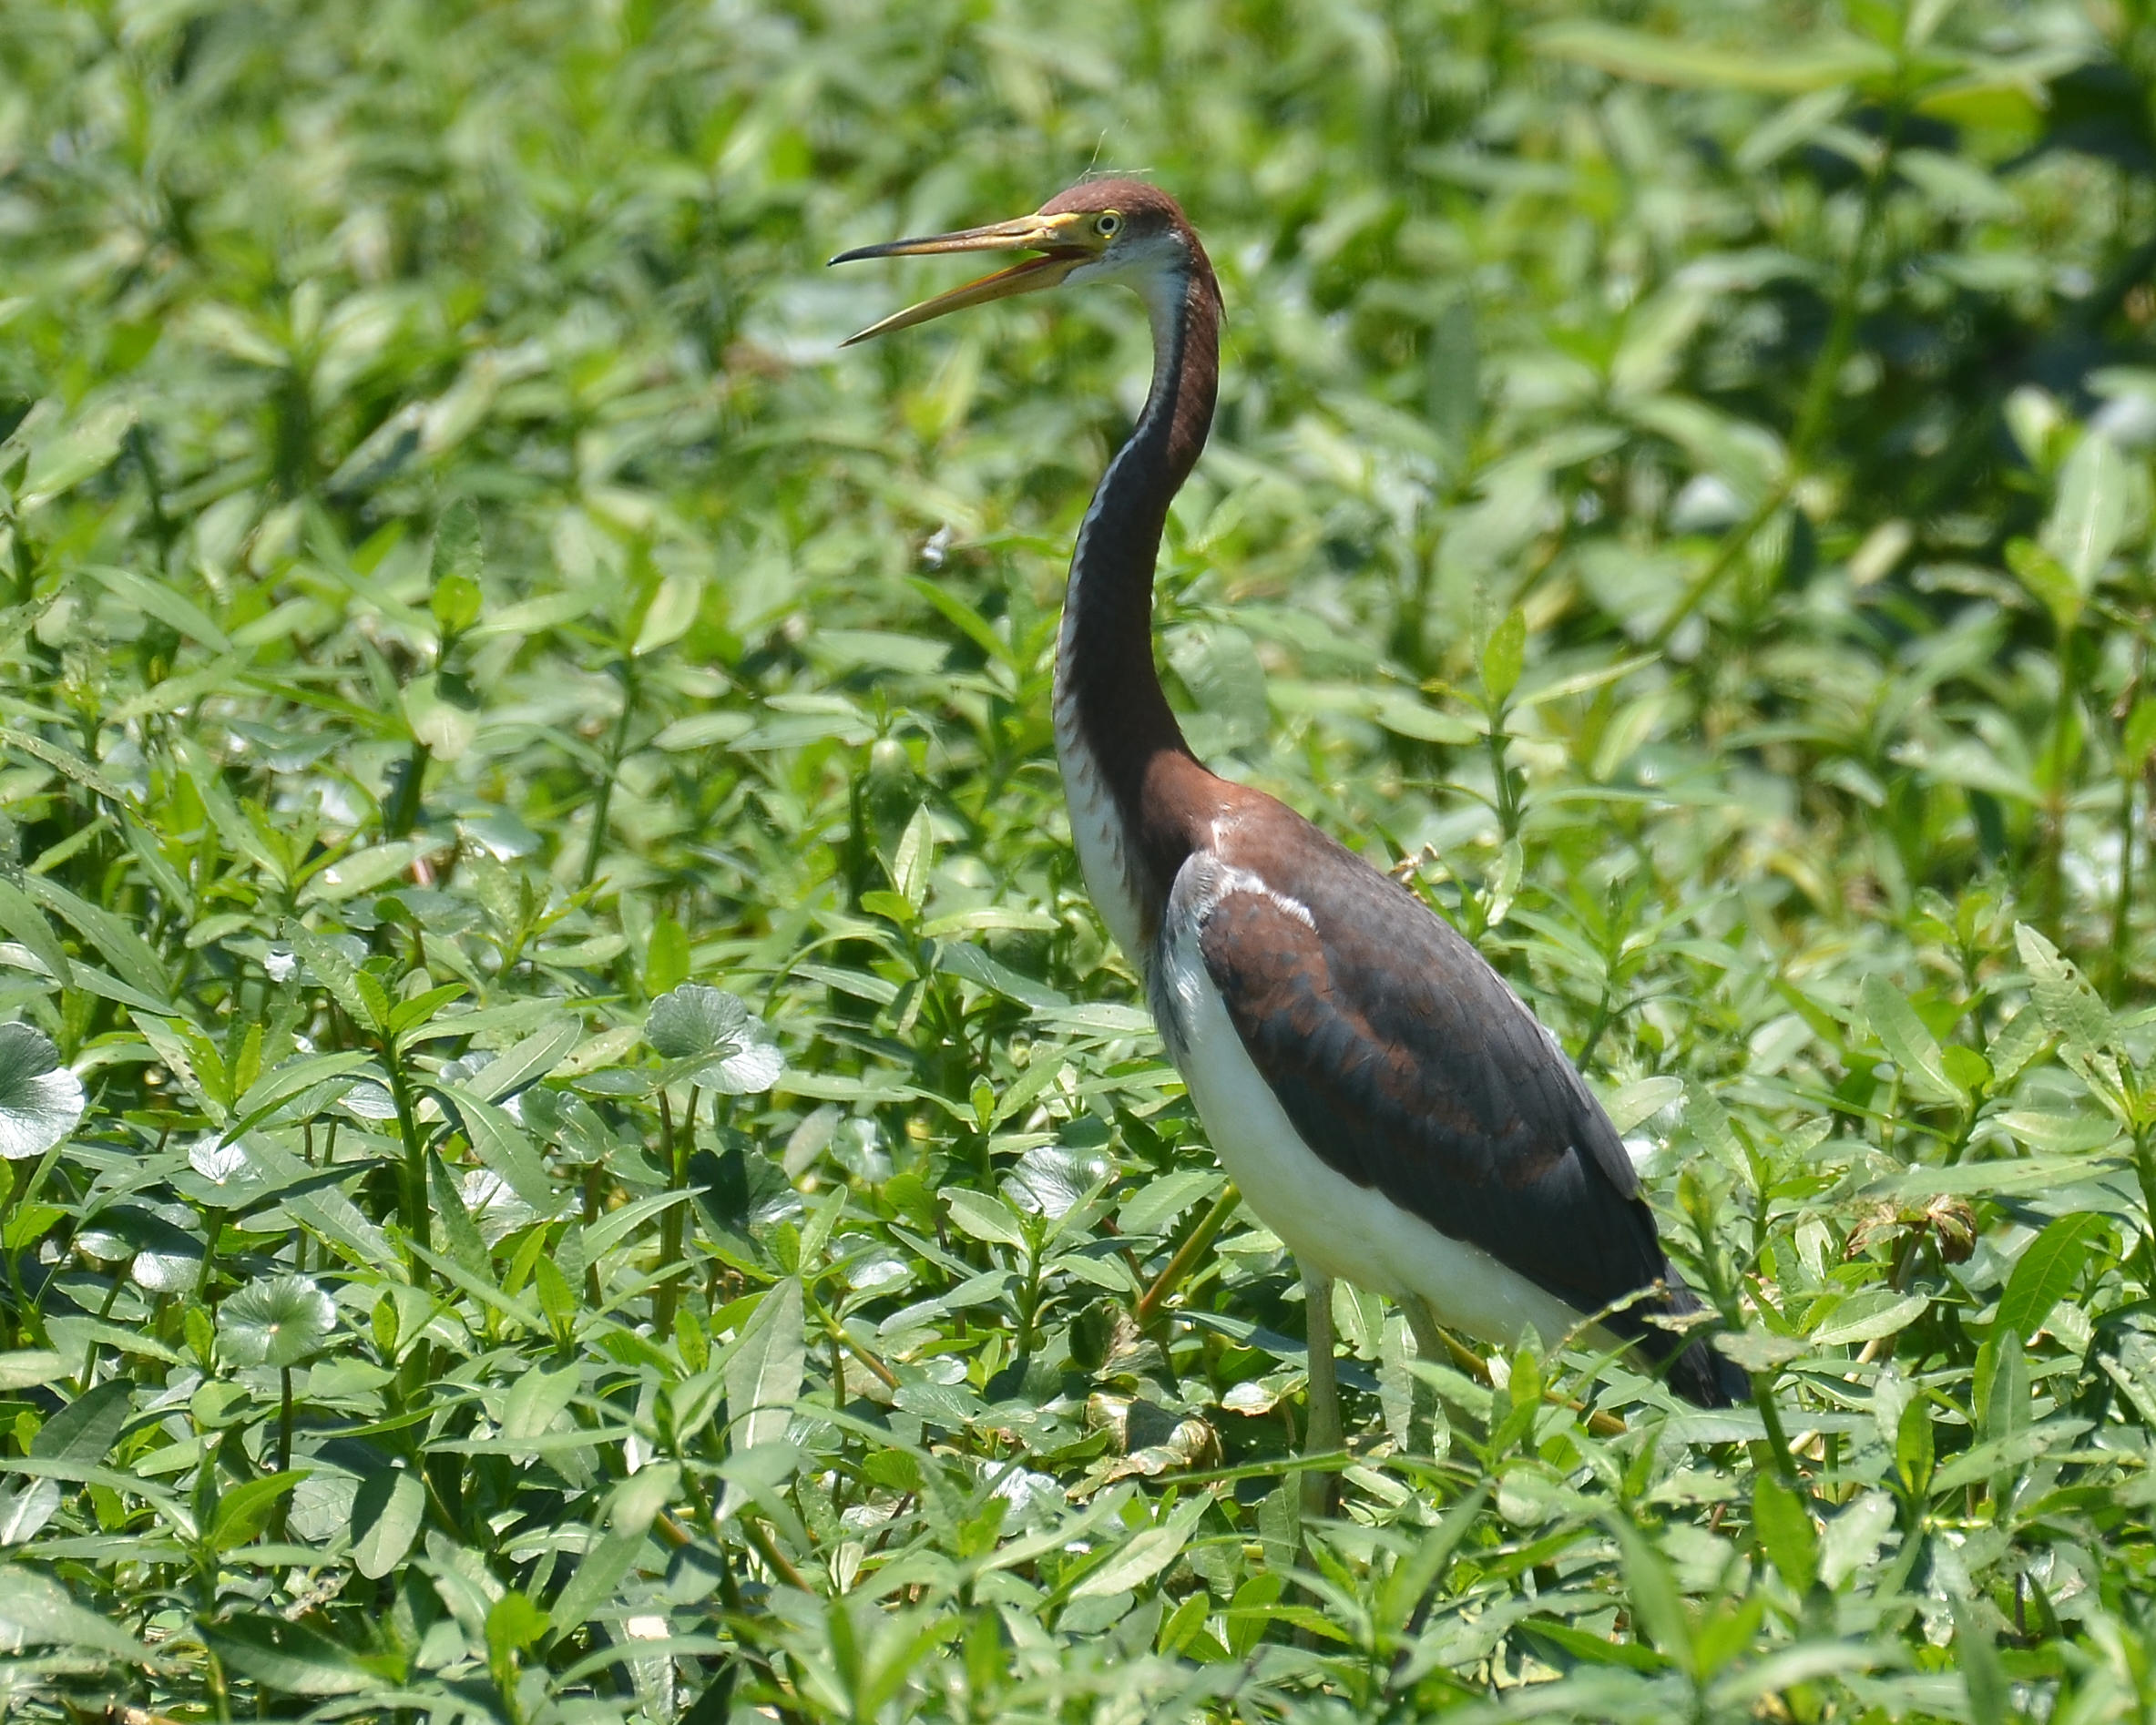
{"x": 1387, "y": 1105}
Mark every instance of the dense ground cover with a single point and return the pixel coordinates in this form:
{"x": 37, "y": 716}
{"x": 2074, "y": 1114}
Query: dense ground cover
{"x": 573, "y": 1146}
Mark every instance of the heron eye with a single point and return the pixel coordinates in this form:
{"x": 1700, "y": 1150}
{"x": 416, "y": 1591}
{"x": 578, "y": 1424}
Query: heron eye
{"x": 1106, "y": 224}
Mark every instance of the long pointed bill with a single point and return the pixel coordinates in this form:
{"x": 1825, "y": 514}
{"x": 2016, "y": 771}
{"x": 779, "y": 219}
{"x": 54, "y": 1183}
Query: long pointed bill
{"x": 1051, "y": 235}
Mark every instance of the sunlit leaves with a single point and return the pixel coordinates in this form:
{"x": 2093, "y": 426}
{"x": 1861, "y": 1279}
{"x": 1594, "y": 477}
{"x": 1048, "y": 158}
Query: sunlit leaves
{"x": 40, "y": 1100}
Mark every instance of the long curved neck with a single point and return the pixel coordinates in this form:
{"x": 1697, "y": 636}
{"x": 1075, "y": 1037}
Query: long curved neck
{"x": 1127, "y": 770}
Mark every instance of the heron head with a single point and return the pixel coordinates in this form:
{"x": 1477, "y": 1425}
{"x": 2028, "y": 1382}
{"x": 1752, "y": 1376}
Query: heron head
{"x": 1098, "y": 230}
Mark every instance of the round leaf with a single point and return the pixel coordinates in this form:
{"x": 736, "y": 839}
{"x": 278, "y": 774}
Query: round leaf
{"x": 277, "y": 1322}
{"x": 723, "y": 1046}
{"x": 40, "y": 1100}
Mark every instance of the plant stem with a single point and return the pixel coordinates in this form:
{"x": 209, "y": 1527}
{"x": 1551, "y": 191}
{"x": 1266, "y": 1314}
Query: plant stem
{"x": 673, "y": 1224}
{"x": 616, "y": 748}
{"x": 416, "y": 1219}
{"x": 2055, "y": 795}
{"x": 1186, "y": 1255}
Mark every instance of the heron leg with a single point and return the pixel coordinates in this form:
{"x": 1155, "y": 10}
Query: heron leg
{"x": 1320, "y": 1431}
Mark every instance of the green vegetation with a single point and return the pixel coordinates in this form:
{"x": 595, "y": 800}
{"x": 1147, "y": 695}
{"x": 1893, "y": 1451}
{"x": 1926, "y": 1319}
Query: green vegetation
{"x": 573, "y": 1146}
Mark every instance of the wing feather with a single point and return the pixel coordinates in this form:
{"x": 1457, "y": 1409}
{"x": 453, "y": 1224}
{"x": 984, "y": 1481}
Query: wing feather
{"x": 1407, "y": 1064}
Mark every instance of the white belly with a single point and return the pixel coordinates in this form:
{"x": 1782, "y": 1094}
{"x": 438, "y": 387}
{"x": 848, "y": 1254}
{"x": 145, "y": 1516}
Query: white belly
{"x": 1336, "y": 1227}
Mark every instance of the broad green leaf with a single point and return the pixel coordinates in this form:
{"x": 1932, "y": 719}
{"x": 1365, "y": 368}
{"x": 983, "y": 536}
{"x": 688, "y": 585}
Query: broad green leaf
{"x": 1781, "y": 1524}
{"x": 913, "y": 859}
{"x": 984, "y": 1216}
{"x": 386, "y": 1513}
{"x": 295, "y": 1658}
{"x": 2048, "y": 1270}
{"x": 28, "y": 1367}
{"x": 88, "y": 1426}
{"x": 329, "y": 966}
{"x": 2090, "y": 512}
{"x": 244, "y": 1510}
{"x": 1869, "y": 1318}
{"x": 1504, "y": 656}
{"x": 23, "y": 919}
{"x": 1654, "y": 59}
{"x": 2049, "y": 581}
{"x": 1145, "y": 1555}
{"x": 36, "y": 1611}
{"x": 58, "y": 464}
{"x": 538, "y": 1397}
{"x": 763, "y": 1371}
{"x": 1914, "y": 1448}
{"x": 673, "y": 610}
{"x": 1905, "y": 1037}
{"x": 1652, "y": 1588}
{"x": 167, "y": 603}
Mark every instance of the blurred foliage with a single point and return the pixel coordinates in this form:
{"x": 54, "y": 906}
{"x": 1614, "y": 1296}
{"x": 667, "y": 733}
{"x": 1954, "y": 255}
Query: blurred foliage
{"x": 574, "y": 1147}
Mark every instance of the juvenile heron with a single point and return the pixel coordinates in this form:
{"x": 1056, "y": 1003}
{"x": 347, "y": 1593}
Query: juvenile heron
{"x": 1386, "y": 1103}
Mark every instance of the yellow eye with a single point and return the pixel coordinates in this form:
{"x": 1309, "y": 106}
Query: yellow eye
{"x": 1107, "y": 224}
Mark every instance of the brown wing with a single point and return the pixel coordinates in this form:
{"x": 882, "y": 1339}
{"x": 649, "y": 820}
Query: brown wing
{"x": 1407, "y": 1064}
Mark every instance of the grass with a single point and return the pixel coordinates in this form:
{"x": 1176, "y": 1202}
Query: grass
{"x": 573, "y": 1146}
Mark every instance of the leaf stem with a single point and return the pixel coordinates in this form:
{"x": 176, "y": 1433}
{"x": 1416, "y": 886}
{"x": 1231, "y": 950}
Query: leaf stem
{"x": 1193, "y": 1248}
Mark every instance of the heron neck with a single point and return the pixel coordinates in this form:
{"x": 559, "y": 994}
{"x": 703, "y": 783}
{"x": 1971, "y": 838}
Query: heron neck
{"x": 1114, "y": 735}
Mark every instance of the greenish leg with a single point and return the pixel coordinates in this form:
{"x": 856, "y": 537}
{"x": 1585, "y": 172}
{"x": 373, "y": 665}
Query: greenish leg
{"x": 1322, "y": 1432}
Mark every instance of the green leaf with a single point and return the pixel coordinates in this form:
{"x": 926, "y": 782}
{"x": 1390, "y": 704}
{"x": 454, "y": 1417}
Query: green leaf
{"x": 167, "y": 604}
{"x": 2072, "y": 1012}
{"x": 717, "y": 1041}
{"x": 408, "y": 1015}
{"x": 1905, "y": 1037}
{"x": 1913, "y": 1445}
{"x": 460, "y": 1233}
{"x": 1782, "y": 1526}
{"x": 763, "y": 1371}
{"x": 1145, "y": 1554}
{"x": 1415, "y": 1575}
{"x": 88, "y": 447}
{"x": 1990, "y": 1698}
{"x": 280, "y": 1320}
{"x": 22, "y": 919}
{"x": 984, "y": 1216}
{"x": 36, "y": 1611}
{"x": 1504, "y": 656}
{"x": 244, "y": 1510}
{"x": 1657, "y": 1604}
{"x": 295, "y": 1658}
{"x": 2090, "y": 515}
{"x": 459, "y": 549}
{"x": 29, "y": 1367}
{"x": 386, "y": 1513}
{"x": 333, "y": 971}
{"x": 2049, "y": 1269}
{"x": 538, "y": 1398}
{"x": 666, "y": 955}
{"x": 85, "y": 1430}
{"x": 41, "y": 1101}
{"x": 2049, "y": 581}
{"x": 672, "y": 611}
{"x": 913, "y": 859}
{"x": 1791, "y": 68}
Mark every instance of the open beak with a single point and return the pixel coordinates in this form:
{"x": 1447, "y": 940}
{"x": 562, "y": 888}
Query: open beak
{"x": 1055, "y": 237}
